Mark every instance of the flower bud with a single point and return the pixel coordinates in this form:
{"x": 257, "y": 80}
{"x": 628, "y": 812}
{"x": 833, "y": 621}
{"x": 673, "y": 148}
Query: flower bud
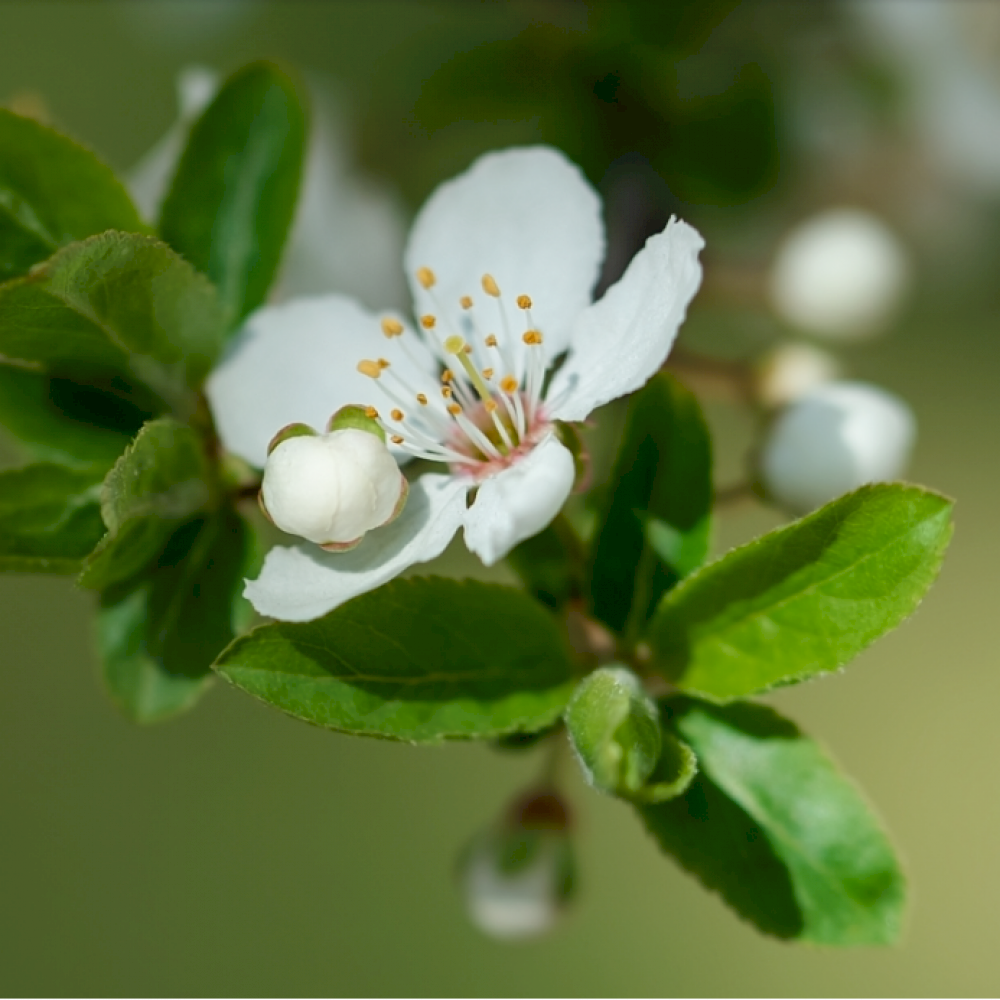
{"x": 790, "y": 371}
{"x": 839, "y": 274}
{"x": 833, "y": 440}
{"x": 518, "y": 876}
{"x": 331, "y": 488}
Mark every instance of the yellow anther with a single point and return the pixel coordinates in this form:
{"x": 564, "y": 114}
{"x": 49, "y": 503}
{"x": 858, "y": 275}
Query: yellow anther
{"x": 370, "y": 368}
{"x": 490, "y": 286}
{"x": 487, "y": 373}
{"x": 465, "y": 301}
{"x": 467, "y": 349}
{"x": 396, "y": 439}
{"x": 426, "y": 277}
{"x": 532, "y": 337}
{"x": 491, "y": 405}
{"x": 428, "y": 321}
{"x": 447, "y": 391}
{"x": 371, "y": 413}
{"x": 454, "y": 344}
{"x": 383, "y": 362}
{"x": 447, "y": 375}
{"x": 454, "y": 409}
{"x": 509, "y": 384}
{"x": 491, "y": 340}
{"x": 421, "y": 399}
{"x": 524, "y": 302}
{"x": 396, "y": 415}
{"x": 391, "y": 327}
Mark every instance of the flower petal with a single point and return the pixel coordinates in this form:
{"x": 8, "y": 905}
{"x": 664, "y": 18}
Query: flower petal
{"x": 295, "y": 363}
{"x": 518, "y": 502}
{"x": 302, "y": 583}
{"x": 529, "y": 218}
{"x": 621, "y": 341}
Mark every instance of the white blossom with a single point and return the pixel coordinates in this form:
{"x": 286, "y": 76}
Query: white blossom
{"x": 502, "y": 261}
{"x": 834, "y": 439}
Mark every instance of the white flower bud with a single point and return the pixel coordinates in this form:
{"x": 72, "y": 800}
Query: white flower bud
{"x": 834, "y": 439}
{"x": 839, "y": 274}
{"x": 790, "y": 371}
{"x": 331, "y": 488}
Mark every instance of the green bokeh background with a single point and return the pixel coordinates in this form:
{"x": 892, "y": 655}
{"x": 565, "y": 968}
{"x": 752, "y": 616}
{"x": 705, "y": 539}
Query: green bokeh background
{"x": 234, "y": 851}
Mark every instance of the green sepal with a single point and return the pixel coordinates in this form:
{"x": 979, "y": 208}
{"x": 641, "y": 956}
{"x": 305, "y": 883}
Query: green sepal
{"x": 772, "y": 826}
{"x": 288, "y": 432}
{"x": 50, "y": 518}
{"x": 162, "y": 480}
{"x": 662, "y": 481}
{"x": 53, "y": 192}
{"x": 805, "y": 599}
{"x": 116, "y": 306}
{"x": 234, "y": 191}
{"x": 355, "y": 417}
{"x": 159, "y": 634}
{"x": 423, "y": 660}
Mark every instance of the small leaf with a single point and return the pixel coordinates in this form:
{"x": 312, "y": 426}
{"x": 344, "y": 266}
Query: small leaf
{"x": 161, "y": 481}
{"x": 662, "y": 482}
{"x": 423, "y": 660}
{"x": 158, "y": 636}
{"x": 233, "y": 196}
{"x": 778, "y": 832}
{"x": 55, "y": 420}
{"x": 805, "y": 599}
{"x": 120, "y": 305}
{"x": 52, "y": 192}
{"x": 49, "y": 518}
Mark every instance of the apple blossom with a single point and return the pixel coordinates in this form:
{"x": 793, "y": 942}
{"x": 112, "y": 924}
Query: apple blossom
{"x": 502, "y": 262}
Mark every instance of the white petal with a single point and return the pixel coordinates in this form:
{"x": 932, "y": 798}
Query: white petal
{"x": 304, "y": 582}
{"x": 833, "y": 440}
{"x": 530, "y": 219}
{"x": 620, "y": 342}
{"x": 147, "y": 181}
{"x": 839, "y": 274}
{"x": 518, "y": 502}
{"x": 295, "y": 363}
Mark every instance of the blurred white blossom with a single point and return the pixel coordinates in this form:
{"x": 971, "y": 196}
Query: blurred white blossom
{"x": 790, "y": 371}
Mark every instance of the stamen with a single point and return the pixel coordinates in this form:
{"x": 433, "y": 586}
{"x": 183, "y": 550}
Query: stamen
{"x": 490, "y": 286}
{"x": 421, "y": 399}
{"x": 428, "y": 322}
{"x": 509, "y": 384}
{"x": 487, "y": 373}
{"x": 383, "y": 362}
{"x": 491, "y": 340}
{"x": 524, "y": 302}
{"x": 465, "y": 302}
{"x": 532, "y": 337}
{"x": 454, "y": 409}
{"x": 370, "y": 368}
{"x": 447, "y": 375}
{"x": 396, "y": 439}
{"x": 391, "y": 327}
{"x": 491, "y": 405}
{"x": 426, "y": 277}
{"x": 371, "y": 413}
{"x": 458, "y": 347}
{"x": 396, "y": 415}
{"x": 476, "y": 436}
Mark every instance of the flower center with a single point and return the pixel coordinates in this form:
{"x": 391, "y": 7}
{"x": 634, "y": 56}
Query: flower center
{"x": 484, "y": 410}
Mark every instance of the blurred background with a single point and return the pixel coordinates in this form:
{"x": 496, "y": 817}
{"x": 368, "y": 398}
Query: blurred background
{"x": 235, "y": 851}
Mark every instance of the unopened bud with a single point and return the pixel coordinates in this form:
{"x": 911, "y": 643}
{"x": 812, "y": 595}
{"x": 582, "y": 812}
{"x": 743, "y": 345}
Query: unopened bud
{"x": 517, "y": 876}
{"x": 839, "y": 274}
{"x": 332, "y": 488}
{"x": 790, "y": 371}
{"x": 833, "y": 440}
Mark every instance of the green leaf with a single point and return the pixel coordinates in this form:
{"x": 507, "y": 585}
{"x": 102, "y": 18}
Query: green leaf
{"x": 423, "y": 660}
{"x": 55, "y": 420}
{"x": 161, "y": 481}
{"x": 233, "y": 196}
{"x": 158, "y": 636}
{"x": 805, "y": 599}
{"x": 50, "y": 518}
{"x": 120, "y": 305}
{"x": 778, "y": 832}
{"x": 52, "y": 192}
{"x": 661, "y": 487}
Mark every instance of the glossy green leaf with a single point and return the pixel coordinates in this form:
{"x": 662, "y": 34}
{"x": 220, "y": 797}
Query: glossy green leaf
{"x": 805, "y": 599}
{"x": 423, "y": 660}
{"x": 234, "y": 192}
{"x": 116, "y": 305}
{"x": 50, "y": 518}
{"x": 158, "y": 636}
{"x": 773, "y": 827}
{"x": 160, "y": 481}
{"x": 52, "y": 192}
{"x": 55, "y": 420}
{"x": 661, "y": 483}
